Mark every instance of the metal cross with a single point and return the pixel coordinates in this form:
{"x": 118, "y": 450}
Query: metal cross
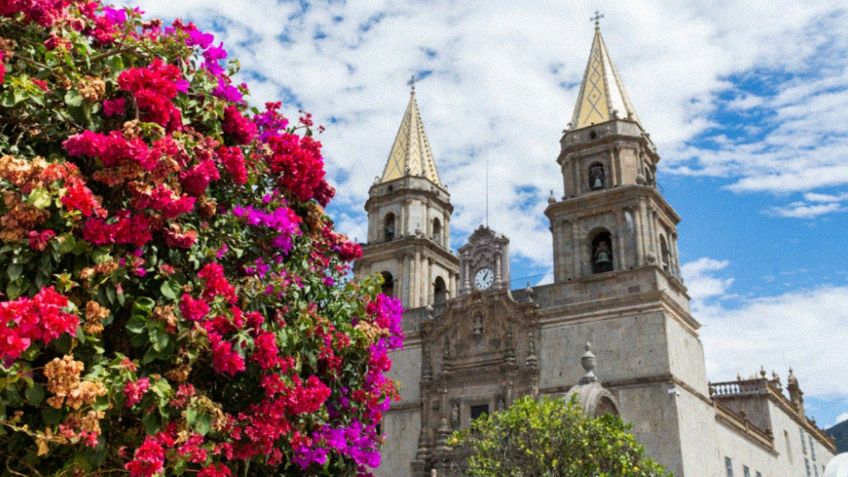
{"x": 411, "y": 83}
{"x": 597, "y": 19}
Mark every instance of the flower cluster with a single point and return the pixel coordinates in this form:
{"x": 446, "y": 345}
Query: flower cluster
{"x": 153, "y": 88}
{"x": 27, "y": 320}
{"x": 283, "y": 220}
{"x": 174, "y": 294}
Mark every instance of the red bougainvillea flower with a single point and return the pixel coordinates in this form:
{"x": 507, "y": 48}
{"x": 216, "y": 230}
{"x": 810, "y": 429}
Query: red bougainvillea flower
{"x": 40, "y": 318}
{"x": 134, "y": 391}
{"x": 149, "y": 459}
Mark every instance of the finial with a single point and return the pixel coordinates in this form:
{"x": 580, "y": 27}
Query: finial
{"x": 762, "y": 372}
{"x": 588, "y": 362}
{"x": 411, "y": 83}
{"x": 597, "y": 19}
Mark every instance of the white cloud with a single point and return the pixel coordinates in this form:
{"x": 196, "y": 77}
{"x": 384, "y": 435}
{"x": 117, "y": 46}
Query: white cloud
{"x": 704, "y": 287}
{"x": 802, "y": 210}
{"x": 803, "y": 329}
{"x": 502, "y": 84}
{"x": 840, "y": 418}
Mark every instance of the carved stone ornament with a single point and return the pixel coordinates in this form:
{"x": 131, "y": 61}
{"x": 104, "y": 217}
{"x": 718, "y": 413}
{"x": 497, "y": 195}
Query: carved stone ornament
{"x": 478, "y": 349}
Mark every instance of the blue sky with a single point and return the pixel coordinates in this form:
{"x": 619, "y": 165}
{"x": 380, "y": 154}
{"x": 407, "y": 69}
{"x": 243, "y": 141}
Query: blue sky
{"x": 746, "y": 101}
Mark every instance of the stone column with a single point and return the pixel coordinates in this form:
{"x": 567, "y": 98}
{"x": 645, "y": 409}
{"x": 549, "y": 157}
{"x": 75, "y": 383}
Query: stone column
{"x": 428, "y": 293}
{"x": 466, "y": 283}
{"x": 619, "y": 237}
{"x": 576, "y": 252}
{"x": 578, "y": 174}
{"x": 402, "y": 292}
{"x": 615, "y": 170}
{"x": 675, "y": 254}
{"x": 637, "y": 232}
{"x": 427, "y": 227}
{"x": 413, "y": 279}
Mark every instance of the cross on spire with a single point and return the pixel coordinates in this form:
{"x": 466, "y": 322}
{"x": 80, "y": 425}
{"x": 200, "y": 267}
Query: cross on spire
{"x": 597, "y": 19}
{"x": 411, "y": 83}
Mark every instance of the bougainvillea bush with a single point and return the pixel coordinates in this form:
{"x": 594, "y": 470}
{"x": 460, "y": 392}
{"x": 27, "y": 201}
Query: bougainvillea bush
{"x": 173, "y": 299}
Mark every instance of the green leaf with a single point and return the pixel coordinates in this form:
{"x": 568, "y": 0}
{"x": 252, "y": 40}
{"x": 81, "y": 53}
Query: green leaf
{"x": 203, "y": 424}
{"x": 39, "y": 198}
{"x": 73, "y": 98}
{"x": 68, "y": 244}
{"x": 151, "y": 422}
{"x": 35, "y": 395}
{"x": 8, "y": 99}
{"x": 159, "y": 338}
{"x": 116, "y": 64}
{"x": 14, "y": 271}
{"x": 136, "y": 324}
{"x": 143, "y": 307}
{"x": 14, "y": 290}
{"x": 170, "y": 289}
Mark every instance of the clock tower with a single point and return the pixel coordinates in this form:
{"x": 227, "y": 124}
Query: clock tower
{"x": 484, "y": 262}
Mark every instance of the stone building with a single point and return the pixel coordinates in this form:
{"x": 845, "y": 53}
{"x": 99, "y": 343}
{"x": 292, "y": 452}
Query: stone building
{"x": 473, "y": 345}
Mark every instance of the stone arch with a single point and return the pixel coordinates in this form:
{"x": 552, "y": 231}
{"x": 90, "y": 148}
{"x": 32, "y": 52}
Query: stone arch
{"x": 665, "y": 257}
{"x": 389, "y": 227}
{"x": 388, "y": 283}
{"x": 440, "y": 291}
{"x": 597, "y": 176}
{"x": 601, "y": 255}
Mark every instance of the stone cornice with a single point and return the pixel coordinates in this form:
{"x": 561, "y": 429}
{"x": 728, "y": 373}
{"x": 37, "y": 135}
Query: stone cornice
{"x": 601, "y": 201}
{"x": 396, "y": 247}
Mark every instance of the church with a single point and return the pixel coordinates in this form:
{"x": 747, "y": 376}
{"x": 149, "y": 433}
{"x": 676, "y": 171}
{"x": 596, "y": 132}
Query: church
{"x": 614, "y": 328}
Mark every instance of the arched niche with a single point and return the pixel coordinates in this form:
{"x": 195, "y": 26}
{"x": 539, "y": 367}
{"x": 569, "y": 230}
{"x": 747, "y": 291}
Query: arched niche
{"x": 597, "y": 176}
{"x": 665, "y": 257}
{"x": 601, "y": 251}
{"x": 437, "y": 230}
{"x": 388, "y": 284}
{"x": 440, "y": 291}
{"x": 389, "y": 227}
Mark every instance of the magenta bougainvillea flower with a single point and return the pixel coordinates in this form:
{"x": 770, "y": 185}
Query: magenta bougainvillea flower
{"x": 174, "y": 300}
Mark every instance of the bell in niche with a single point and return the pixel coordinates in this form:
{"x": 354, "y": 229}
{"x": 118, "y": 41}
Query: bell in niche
{"x": 602, "y": 254}
{"x": 596, "y": 177}
{"x": 599, "y": 184}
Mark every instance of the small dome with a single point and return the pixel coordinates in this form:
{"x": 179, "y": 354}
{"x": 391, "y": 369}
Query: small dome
{"x": 838, "y": 466}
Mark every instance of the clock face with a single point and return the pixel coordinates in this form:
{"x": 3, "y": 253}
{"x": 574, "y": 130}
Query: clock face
{"x": 483, "y": 278}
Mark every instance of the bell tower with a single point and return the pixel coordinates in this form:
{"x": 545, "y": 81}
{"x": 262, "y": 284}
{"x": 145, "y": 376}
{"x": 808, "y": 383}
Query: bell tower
{"x": 611, "y": 216}
{"x": 409, "y": 213}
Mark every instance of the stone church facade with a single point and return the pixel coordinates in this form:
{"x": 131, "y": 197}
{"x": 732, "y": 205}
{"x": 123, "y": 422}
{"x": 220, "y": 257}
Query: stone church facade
{"x": 473, "y": 345}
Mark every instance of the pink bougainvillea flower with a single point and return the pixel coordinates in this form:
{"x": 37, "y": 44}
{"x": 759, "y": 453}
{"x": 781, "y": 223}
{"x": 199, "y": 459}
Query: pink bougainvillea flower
{"x": 134, "y": 391}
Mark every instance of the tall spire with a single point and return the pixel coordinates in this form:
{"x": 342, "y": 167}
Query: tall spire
{"x": 602, "y": 96}
{"x": 411, "y": 154}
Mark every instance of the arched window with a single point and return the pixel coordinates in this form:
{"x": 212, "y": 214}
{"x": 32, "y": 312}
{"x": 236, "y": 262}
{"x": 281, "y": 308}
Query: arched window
{"x": 602, "y": 252}
{"x": 389, "y": 227}
{"x": 597, "y": 178}
{"x": 664, "y": 255}
{"x": 605, "y": 405}
{"x": 388, "y": 284}
{"x": 440, "y": 291}
{"x": 437, "y": 231}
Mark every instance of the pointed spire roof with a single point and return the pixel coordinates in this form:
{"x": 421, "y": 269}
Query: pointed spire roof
{"x": 411, "y": 154}
{"x": 601, "y": 91}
